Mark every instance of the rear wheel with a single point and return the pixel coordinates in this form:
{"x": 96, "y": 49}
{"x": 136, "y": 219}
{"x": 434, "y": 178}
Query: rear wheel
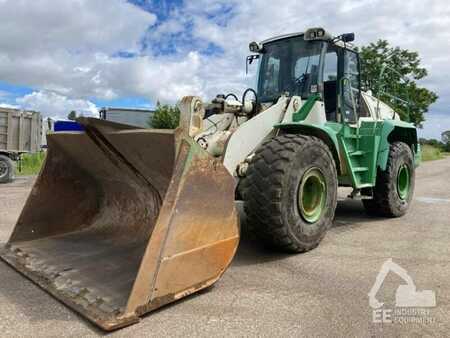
{"x": 290, "y": 192}
{"x": 6, "y": 169}
{"x": 394, "y": 189}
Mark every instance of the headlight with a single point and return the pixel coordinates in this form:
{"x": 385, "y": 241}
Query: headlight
{"x": 316, "y": 34}
{"x": 255, "y": 47}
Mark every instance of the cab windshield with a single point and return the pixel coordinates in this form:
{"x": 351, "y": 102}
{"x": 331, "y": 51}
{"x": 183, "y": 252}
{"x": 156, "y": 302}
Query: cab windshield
{"x": 289, "y": 65}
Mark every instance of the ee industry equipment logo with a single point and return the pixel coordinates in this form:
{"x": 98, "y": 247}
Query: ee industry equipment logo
{"x": 411, "y": 306}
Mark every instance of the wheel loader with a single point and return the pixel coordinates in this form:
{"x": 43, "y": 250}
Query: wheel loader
{"x": 122, "y": 221}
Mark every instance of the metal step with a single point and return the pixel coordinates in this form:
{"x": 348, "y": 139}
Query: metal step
{"x": 360, "y": 169}
{"x": 365, "y": 185}
{"x": 357, "y": 153}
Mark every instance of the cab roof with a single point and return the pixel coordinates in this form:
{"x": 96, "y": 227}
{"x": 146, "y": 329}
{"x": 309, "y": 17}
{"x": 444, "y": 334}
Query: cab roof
{"x": 282, "y": 36}
{"x": 338, "y": 43}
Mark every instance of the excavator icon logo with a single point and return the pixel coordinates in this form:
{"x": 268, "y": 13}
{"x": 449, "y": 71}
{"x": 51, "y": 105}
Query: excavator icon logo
{"x": 406, "y": 295}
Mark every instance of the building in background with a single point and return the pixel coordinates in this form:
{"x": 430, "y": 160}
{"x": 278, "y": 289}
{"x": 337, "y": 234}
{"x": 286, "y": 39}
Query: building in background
{"x": 134, "y": 117}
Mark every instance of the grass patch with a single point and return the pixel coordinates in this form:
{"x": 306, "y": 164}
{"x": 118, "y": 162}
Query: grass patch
{"x": 430, "y": 153}
{"x": 31, "y": 164}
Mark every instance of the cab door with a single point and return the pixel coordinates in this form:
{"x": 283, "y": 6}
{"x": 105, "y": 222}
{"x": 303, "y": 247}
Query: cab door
{"x": 359, "y": 140}
{"x": 350, "y": 86}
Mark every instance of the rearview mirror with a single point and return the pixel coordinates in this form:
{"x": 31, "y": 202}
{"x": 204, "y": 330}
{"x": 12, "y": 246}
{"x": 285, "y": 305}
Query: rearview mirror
{"x": 348, "y": 37}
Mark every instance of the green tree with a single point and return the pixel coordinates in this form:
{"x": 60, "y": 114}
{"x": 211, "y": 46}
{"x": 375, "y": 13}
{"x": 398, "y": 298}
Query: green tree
{"x": 72, "y": 115}
{"x": 402, "y": 82}
{"x": 446, "y": 147}
{"x": 165, "y": 117}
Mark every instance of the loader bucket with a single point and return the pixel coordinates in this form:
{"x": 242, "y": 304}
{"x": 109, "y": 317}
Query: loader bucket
{"x": 122, "y": 221}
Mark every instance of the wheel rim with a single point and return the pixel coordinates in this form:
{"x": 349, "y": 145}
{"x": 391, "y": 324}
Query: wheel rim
{"x": 312, "y": 195}
{"x": 3, "y": 168}
{"x": 403, "y": 181}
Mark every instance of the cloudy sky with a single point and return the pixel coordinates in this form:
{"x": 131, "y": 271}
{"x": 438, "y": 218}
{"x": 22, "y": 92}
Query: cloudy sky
{"x": 56, "y": 56}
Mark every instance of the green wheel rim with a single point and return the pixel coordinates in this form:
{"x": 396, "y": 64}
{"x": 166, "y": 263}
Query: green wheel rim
{"x": 312, "y": 194}
{"x": 403, "y": 181}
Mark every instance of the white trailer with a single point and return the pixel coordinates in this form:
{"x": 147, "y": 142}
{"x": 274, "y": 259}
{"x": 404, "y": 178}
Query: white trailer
{"x": 20, "y": 132}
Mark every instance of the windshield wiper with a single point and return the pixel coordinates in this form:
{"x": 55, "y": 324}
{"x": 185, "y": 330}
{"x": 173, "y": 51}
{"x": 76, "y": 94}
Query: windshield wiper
{"x": 301, "y": 80}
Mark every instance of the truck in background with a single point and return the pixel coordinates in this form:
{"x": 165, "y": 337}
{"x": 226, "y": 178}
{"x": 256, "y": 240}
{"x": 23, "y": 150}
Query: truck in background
{"x": 20, "y": 132}
{"x": 131, "y": 116}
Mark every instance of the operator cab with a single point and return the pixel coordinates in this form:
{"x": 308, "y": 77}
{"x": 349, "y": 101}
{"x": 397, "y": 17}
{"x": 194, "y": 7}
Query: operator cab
{"x": 312, "y": 63}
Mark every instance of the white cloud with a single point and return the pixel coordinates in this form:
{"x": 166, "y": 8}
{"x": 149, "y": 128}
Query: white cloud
{"x": 55, "y": 105}
{"x": 55, "y": 45}
{"x": 42, "y": 27}
{"x": 7, "y": 105}
{"x": 157, "y": 78}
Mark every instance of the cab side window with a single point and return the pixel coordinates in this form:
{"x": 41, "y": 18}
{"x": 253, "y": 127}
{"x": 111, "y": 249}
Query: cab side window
{"x": 330, "y": 67}
{"x": 330, "y": 75}
{"x": 270, "y": 81}
{"x": 305, "y": 69}
{"x": 351, "y": 68}
{"x": 350, "y": 89}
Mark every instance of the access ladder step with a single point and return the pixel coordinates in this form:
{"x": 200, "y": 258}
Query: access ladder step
{"x": 360, "y": 169}
{"x": 357, "y": 153}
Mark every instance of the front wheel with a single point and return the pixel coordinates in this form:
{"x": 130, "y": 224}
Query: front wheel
{"x": 290, "y": 192}
{"x": 394, "y": 188}
{"x": 6, "y": 169}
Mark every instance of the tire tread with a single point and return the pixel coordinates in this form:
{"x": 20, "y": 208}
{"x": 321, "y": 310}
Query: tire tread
{"x": 262, "y": 190}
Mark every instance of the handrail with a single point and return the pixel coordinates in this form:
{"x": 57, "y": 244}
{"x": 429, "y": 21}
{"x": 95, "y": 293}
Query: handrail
{"x": 381, "y": 90}
{"x": 346, "y": 81}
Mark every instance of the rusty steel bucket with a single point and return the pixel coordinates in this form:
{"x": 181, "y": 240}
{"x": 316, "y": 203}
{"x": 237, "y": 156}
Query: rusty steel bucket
{"x": 122, "y": 221}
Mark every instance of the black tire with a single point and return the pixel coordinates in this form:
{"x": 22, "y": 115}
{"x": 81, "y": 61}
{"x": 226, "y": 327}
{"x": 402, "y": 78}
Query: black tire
{"x": 386, "y": 199}
{"x": 271, "y": 190}
{"x": 6, "y": 169}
